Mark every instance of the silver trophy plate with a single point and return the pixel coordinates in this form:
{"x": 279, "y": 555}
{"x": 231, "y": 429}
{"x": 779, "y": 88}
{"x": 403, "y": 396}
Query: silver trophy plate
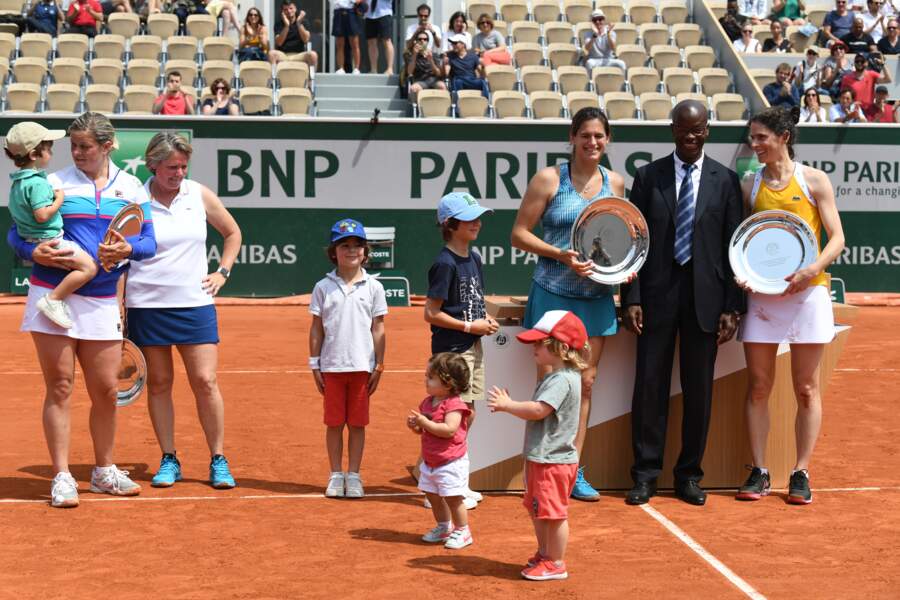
{"x": 612, "y": 233}
{"x": 768, "y": 246}
{"x": 132, "y": 374}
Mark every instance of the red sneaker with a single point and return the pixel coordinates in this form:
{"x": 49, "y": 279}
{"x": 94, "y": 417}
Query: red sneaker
{"x": 545, "y": 570}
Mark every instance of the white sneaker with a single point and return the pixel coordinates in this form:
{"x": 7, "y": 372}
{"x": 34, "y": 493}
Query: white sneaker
{"x": 356, "y": 71}
{"x": 354, "y": 486}
{"x": 470, "y": 503}
{"x": 474, "y": 495}
{"x": 460, "y": 538}
{"x": 437, "y": 535}
{"x": 56, "y": 311}
{"x": 335, "y": 487}
{"x": 112, "y": 480}
{"x": 340, "y": 71}
{"x": 64, "y": 491}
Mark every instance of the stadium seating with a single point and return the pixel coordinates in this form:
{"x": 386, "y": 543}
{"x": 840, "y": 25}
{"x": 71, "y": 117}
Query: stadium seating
{"x": 146, "y": 46}
{"x": 619, "y": 105}
{"x": 139, "y": 99}
{"x": 71, "y": 45}
{"x": 22, "y": 97}
{"x": 106, "y": 71}
{"x": 656, "y": 106}
{"x": 546, "y": 104}
{"x": 163, "y": 25}
{"x": 67, "y": 70}
{"x": 572, "y": 79}
{"x": 102, "y": 97}
{"x": 124, "y": 24}
{"x": 434, "y": 103}
{"x": 63, "y": 97}
{"x": 296, "y": 102}
{"x": 509, "y": 104}
{"x": 501, "y": 77}
{"x": 255, "y": 100}
{"x": 578, "y": 100}
{"x": 536, "y": 78}
{"x": 728, "y": 107}
{"x": 470, "y": 104}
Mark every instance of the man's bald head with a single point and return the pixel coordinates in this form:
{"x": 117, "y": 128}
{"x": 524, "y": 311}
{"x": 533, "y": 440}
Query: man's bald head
{"x": 690, "y": 128}
{"x": 689, "y": 111}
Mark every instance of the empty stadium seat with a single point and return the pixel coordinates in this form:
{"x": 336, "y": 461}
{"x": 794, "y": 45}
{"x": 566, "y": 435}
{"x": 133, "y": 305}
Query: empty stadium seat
{"x": 557, "y": 32}
{"x": 686, "y": 34}
{"x": 673, "y": 11}
{"x": 255, "y": 73}
{"x": 4, "y": 69}
{"x": 527, "y": 54}
{"x": 699, "y": 57}
{"x": 761, "y": 32}
{"x": 201, "y": 26}
{"x": 218, "y": 48}
{"x": 713, "y": 80}
{"x": 718, "y": 8}
{"x": 7, "y": 44}
{"x": 501, "y": 77}
{"x": 545, "y": 11}
{"x": 296, "y": 102}
{"x": 221, "y": 69}
{"x": 728, "y": 107}
{"x": 572, "y": 79}
{"x": 181, "y": 47}
{"x": 536, "y": 78}
{"x": 30, "y": 69}
{"x": 109, "y": 45}
{"x": 577, "y": 10}
{"x": 701, "y": 98}
{"x": 762, "y": 77}
{"x": 653, "y": 34}
{"x": 142, "y": 71}
{"x": 106, "y": 71}
{"x": 434, "y": 103}
{"x": 656, "y": 106}
{"x": 641, "y": 11}
{"x": 35, "y": 45}
{"x": 626, "y": 33}
{"x": 583, "y": 29}
{"x": 643, "y": 79}
{"x": 63, "y": 97}
{"x": 525, "y": 31}
{"x": 124, "y": 24}
{"x": 607, "y": 79}
{"x": 513, "y": 10}
{"x": 146, "y": 46}
{"x": 470, "y": 104}
{"x": 613, "y": 9}
{"x": 633, "y": 55}
{"x": 816, "y": 14}
{"x": 481, "y": 7}
{"x": 68, "y": 70}
{"x": 187, "y": 68}
{"x": 292, "y": 74}
{"x": 678, "y": 80}
{"x": 22, "y": 97}
{"x": 665, "y": 57}
{"x": 255, "y": 99}
{"x": 562, "y": 55}
{"x": 546, "y": 104}
{"x": 72, "y": 45}
{"x": 578, "y": 100}
{"x": 101, "y": 97}
{"x": 139, "y": 98}
{"x": 163, "y": 25}
{"x": 799, "y": 41}
{"x": 509, "y": 104}
{"x": 619, "y": 105}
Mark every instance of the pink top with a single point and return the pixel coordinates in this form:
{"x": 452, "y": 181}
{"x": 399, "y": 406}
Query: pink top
{"x": 437, "y": 451}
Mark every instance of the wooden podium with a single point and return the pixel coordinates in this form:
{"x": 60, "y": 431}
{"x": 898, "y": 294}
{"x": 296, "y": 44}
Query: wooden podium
{"x": 607, "y": 457}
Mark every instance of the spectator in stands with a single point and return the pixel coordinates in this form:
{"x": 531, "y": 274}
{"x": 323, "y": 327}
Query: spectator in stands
{"x": 780, "y": 92}
{"x": 812, "y": 111}
{"x": 226, "y": 10}
{"x": 858, "y": 41}
{"x": 599, "y": 45}
{"x": 836, "y": 66}
{"x": 890, "y": 43}
{"x": 379, "y": 26}
{"x": 435, "y": 39}
{"x": 173, "y": 101}
{"x": 862, "y": 80}
{"x": 777, "y": 43}
{"x": 345, "y": 25}
{"x": 457, "y": 26}
{"x": 83, "y": 17}
{"x": 464, "y": 68}
{"x": 223, "y": 103}
{"x": 732, "y": 20}
{"x": 808, "y": 72}
{"x": 873, "y": 19}
{"x": 837, "y": 23}
{"x": 789, "y": 12}
{"x": 847, "y": 110}
{"x": 110, "y": 6}
{"x": 488, "y": 43}
{"x": 756, "y": 10}
{"x": 422, "y": 72}
{"x": 747, "y": 44}
{"x": 45, "y": 17}
{"x": 880, "y": 111}
{"x": 183, "y": 9}
{"x": 292, "y": 36}
{"x": 254, "y": 40}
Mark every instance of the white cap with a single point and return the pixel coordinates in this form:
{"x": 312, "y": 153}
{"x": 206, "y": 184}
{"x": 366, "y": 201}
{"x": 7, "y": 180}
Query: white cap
{"x": 457, "y": 37}
{"x": 27, "y": 135}
{"x": 597, "y": 13}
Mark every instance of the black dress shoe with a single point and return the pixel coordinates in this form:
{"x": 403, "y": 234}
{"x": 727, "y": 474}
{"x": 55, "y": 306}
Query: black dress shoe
{"x": 641, "y": 492}
{"x": 690, "y": 492}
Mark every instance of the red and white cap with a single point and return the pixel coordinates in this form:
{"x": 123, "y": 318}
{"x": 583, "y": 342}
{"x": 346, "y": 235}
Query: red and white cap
{"x": 561, "y": 325}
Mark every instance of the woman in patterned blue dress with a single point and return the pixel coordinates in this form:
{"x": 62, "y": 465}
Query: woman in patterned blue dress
{"x": 554, "y": 198}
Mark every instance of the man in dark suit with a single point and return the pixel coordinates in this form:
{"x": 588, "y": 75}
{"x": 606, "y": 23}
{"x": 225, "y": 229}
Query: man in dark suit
{"x": 692, "y": 205}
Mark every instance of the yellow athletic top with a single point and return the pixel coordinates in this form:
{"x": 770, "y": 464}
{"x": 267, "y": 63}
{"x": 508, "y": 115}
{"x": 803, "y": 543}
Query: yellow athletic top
{"x": 793, "y": 198}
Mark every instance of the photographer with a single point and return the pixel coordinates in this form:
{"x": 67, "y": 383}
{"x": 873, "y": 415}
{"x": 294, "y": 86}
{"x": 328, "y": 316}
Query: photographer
{"x": 422, "y": 72}
{"x": 83, "y": 17}
{"x": 732, "y": 20}
{"x": 862, "y": 80}
{"x": 600, "y": 44}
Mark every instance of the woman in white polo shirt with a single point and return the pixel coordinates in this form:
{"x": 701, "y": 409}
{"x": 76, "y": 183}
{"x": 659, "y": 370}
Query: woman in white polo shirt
{"x": 169, "y": 300}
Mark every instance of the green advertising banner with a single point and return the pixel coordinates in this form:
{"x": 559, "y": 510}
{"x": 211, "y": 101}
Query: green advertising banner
{"x": 287, "y": 182}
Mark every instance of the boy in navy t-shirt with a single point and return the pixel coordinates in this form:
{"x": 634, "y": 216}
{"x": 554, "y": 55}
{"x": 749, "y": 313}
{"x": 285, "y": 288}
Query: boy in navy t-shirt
{"x": 455, "y": 304}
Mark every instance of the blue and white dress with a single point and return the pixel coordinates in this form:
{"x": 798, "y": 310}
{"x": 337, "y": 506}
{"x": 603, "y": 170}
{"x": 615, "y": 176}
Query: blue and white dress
{"x": 554, "y": 285}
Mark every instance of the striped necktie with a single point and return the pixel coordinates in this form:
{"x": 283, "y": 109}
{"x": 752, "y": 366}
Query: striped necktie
{"x": 684, "y": 217}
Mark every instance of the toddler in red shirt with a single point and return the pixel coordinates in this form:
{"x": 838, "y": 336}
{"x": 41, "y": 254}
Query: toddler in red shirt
{"x": 444, "y": 474}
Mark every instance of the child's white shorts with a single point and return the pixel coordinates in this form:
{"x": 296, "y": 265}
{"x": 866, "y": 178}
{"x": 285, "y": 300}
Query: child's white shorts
{"x": 451, "y": 479}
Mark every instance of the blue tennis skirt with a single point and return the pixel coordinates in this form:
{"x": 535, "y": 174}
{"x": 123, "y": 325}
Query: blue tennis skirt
{"x": 173, "y": 326}
{"x": 598, "y": 314}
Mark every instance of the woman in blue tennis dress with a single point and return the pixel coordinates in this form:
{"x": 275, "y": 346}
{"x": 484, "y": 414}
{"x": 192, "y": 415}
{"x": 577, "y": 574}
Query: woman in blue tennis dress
{"x": 554, "y": 198}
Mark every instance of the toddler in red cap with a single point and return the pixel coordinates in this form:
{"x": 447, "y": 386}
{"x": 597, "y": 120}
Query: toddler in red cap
{"x": 551, "y": 460}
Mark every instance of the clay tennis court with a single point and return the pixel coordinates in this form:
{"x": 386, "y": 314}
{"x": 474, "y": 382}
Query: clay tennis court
{"x": 275, "y": 536}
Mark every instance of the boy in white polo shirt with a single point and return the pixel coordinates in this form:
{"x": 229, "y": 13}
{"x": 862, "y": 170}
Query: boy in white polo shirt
{"x": 346, "y": 349}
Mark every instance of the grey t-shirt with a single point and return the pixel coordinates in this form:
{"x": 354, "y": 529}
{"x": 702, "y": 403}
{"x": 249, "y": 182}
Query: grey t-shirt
{"x": 487, "y": 42}
{"x": 552, "y": 439}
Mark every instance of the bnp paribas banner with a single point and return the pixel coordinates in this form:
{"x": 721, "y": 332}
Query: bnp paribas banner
{"x": 287, "y": 181}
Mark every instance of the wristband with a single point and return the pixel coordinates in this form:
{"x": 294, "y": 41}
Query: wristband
{"x": 314, "y": 363}
{"x": 468, "y": 327}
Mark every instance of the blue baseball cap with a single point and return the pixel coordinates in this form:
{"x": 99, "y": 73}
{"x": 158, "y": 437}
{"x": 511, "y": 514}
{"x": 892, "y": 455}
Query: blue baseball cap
{"x": 347, "y": 228}
{"x": 461, "y": 206}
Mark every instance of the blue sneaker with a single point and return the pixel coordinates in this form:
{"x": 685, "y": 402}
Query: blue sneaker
{"x": 583, "y": 490}
{"x": 219, "y": 474}
{"x": 169, "y": 472}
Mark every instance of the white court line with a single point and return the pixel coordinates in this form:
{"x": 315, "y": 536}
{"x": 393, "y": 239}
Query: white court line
{"x": 854, "y": 370}
{"x": 244, "y": 371}
{"x": 703, "y": 553}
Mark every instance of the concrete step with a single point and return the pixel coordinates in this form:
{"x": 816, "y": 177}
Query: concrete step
{"x": 362, "y": 79}
{"x": 362, "y": 92}
{"x": 356, "y": 114}
{"x": 361, "y": 104}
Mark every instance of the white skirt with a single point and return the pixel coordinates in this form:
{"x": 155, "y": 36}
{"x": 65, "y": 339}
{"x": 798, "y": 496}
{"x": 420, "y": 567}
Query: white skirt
{"x": 92, "y": 318}
{"x": 803, "y": 318}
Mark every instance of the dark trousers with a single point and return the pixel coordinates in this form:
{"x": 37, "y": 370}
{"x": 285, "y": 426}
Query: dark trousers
{"x": 676, "y": 316}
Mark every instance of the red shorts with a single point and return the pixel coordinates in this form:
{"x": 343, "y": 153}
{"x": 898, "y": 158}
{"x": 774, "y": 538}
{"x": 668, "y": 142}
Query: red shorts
{"x": 346, "y": 399}
{"x": 547, "y": 489}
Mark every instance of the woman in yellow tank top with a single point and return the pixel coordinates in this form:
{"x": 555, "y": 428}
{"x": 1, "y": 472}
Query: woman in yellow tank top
{"x": 801, "y": 316}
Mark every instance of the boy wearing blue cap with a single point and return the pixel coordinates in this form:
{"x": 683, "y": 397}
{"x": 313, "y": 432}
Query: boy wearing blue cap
{"x": 346, "y": 351}
{"x": 455, "y": 304}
